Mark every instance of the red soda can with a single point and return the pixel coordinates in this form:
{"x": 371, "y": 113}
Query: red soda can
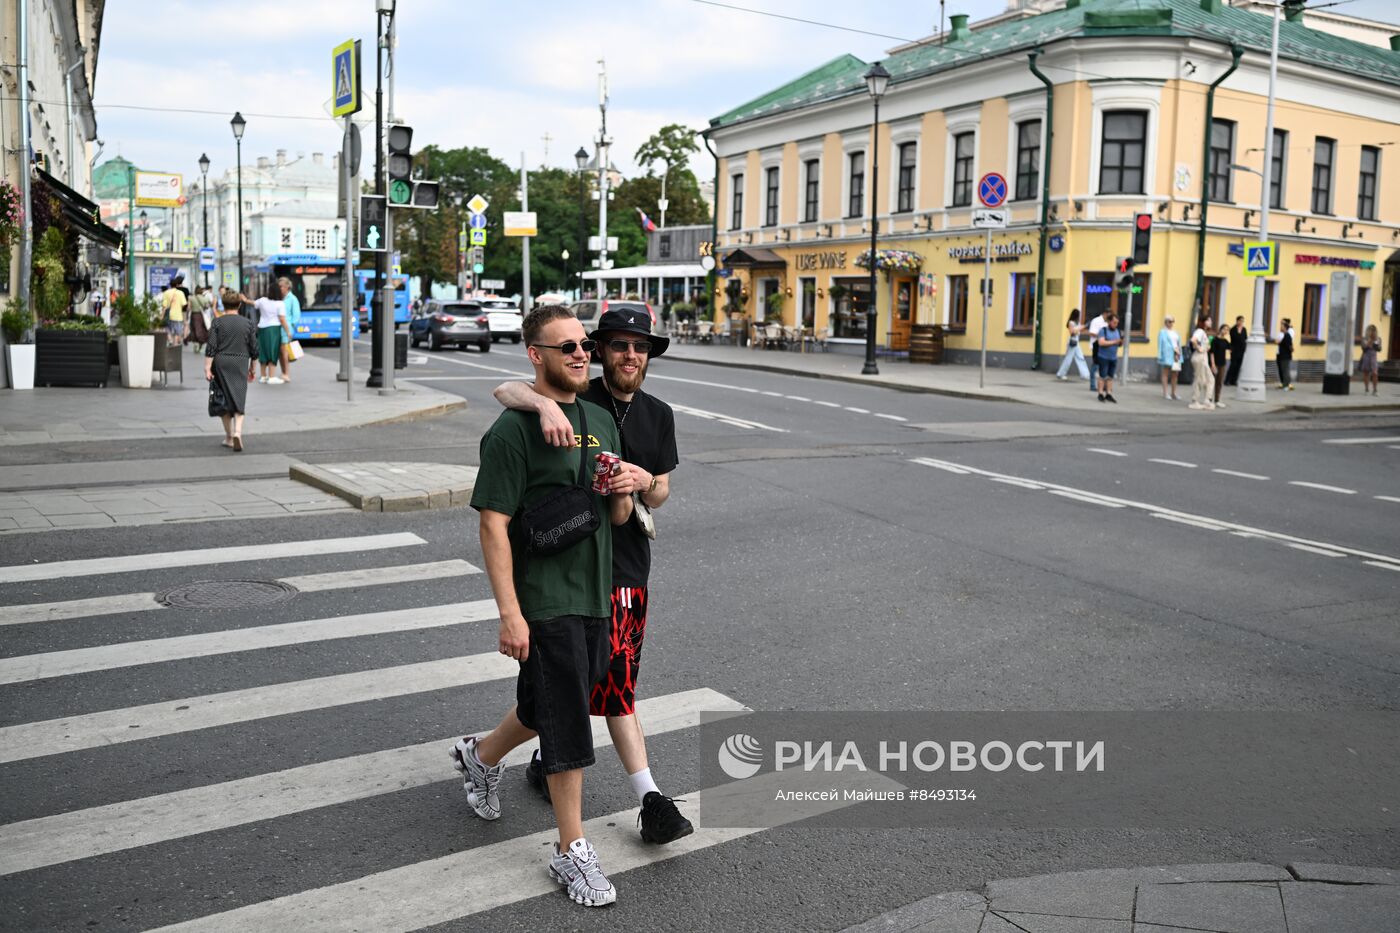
{"x": 605, "y": 465}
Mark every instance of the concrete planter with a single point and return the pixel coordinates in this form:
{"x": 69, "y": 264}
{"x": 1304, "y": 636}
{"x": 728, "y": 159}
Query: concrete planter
{"x": 20, "y": 360}
{"x": 70, "y": 357}
{"x": 136, "y": 355}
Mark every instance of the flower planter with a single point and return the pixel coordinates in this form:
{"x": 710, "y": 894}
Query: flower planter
{"x": 20, "y": 359}
{"x": 70, "y": 357}
{"x": 136, "y": 355}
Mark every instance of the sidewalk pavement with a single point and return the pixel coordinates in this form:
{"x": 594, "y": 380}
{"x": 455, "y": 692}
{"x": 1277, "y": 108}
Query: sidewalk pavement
{"x": 313, "y": 401}
{"x": 1227, "y": 898}
{"x": 1026, "y": 386}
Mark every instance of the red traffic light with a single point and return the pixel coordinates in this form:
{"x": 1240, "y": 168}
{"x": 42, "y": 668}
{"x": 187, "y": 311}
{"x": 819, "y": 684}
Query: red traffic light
{"x": 1125, "y": 264}
{"x": 1144, "y": 221}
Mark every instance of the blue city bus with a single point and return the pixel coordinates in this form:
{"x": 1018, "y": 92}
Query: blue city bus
{"x": 365, "y": 294}
{"x": 317, "y": 283}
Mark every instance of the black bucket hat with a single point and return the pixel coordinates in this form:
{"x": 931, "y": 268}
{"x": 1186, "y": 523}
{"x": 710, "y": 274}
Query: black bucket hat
{"x": 634, "y": 321}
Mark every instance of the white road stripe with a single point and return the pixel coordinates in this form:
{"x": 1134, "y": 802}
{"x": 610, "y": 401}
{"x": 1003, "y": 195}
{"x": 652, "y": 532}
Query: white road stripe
{"x": 798, "y": 398}
{"x": 890, "y": 417}
{"x": 1323, "y": 486}
{"x": 109, "y": 727}
{"x": 1316, "y": 550}
{"x": 1361, "y": 440}
{"x": 945, "y": 467}
{"x": 1182, "y": 520}
{"x": 1084, "y": 497}
{"x": 772, "y": 394}
{"x": 859, "y": 411}
{"x": 730, "y": 420}
{"x": 1105, "y": 450}
{"x": 311, "y": 583}
{"x": 701, "y": 382}
{"x": 1389, "y": 498}
{"x": 1239, "y": 474}
{"x": 1383, "y": 564}
{"x": 825, "y": 404}
{"x": 77, "y": 834}
{"x": 1176, "y": 463}
{"x": 132, "y": 653}
{"x": 457, "y": 378}
{"x": 486, "y": 877}
{"x": 1024, "y": 484}
{"x": 528, "y": 377}
{"x": 127, "y": 563}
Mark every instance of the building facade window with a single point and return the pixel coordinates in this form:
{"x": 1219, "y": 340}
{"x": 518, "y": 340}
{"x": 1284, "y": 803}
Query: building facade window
{"x": 1212, "y": 295}
{"x": 1270, "y": 302}
{"x": 770, "y": 197}
{"x": 1362, "y": 296}
{"x": 908, "y": 157}
{"x": 957, "y": 302}
{"x": 736, "y": 202}
{"x": 855, "y": 205}
{"x": 849, "y": 306}
{"x": 1027, "y": 159}
{"x": 1100, "y": 297}
{"x": 813, "y": 190}
{"x": 1311, "y": 322}
{"x": 316, "y": 239}
{"x": 809, "y": 302}
{"x": 663, "y": 246}
{"x": 1276, "y": 170}
{"x": 1324, "y": 151}
{"x": 1123, "y": 153}
{"x": 286, "y": 238}
{"x": 964, "y": 147}
{"x": 1222, "y": 153}
{"x": 1022, "y": 302}
{"x": 1366, "y": 191}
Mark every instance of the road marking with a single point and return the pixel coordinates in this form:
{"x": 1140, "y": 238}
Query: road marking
{"x": 1083, "y": 497}
{"x": 1323, "y": 486}
{"x": 798, "y": 398}
{"x": 109, "y": 727}
{"x": 859, "y": 411}
{"x": 1239, "y": 474}
{"x": 1383, "y": 564}
{"x": 1232, "y": 527}
{"x": 825, "y": 404}
{"x": 1388, "y": 498}
{"x": 1316, "y": 550}
{"x": 128, "y": 563}
{"x": 311, "y": 583}
{"x": 702, "y": 382}
{"x": 77, "y": 834}
{"x": 1361, "y": 440}
{"x": 528, "y": 377}
{"x": 1024, "y": 484}
{"x": 154, "y": 650}
{"x": 481, "y": 878}
{"x": 1194, "y": 522}
{"x": 1176, "y": 463}
{"x": 772, "y": 394}
{"x": 455, "y": 378}
{"x": 890, "y": 417}
{"x": 1105, "y": 450}
{"x": 726, "y": 419}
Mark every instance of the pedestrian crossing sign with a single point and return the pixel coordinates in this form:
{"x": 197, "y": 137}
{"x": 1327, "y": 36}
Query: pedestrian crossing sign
{"x": 345, "y": 68}
{"x": 478, "y": 237}
{"x": 1261, "y": 258}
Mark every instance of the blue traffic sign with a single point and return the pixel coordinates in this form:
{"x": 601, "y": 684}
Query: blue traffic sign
{"x": 477, "y": 222}
{"x": 991, "y": 190}
{"x": 206, "y": 259}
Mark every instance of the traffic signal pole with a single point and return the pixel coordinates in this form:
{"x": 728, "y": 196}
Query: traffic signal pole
{"x": 386, "y": 289}
{"x": 375, "y": 372}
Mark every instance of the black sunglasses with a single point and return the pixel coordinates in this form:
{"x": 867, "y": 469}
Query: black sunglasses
{"x": 643, "y": 347}
{"x": 569, "y": 346}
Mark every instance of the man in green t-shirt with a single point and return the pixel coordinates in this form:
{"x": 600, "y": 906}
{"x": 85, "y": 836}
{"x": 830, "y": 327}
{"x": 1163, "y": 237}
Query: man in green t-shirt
{"x": 555, "y": 609}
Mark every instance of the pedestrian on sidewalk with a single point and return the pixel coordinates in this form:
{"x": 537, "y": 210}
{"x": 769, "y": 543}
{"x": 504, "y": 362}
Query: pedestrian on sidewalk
{"x": 1370, "y": 366}
{"x": 647, "y": 428}
{"x": 1169, "y": 357}
{"x": 173, "y": 302}
{"x": 1219, "y": 350}
{"x": 272, "y": 325}
{"x": 1095, "y": 326}
{"x": 1239, "y": 342}
{"x": 1110, "y": 339}
{"x": 1073, "y": 354}
{"x": 292, "y": 310}
{"x": 229, "y": 367}
{"x": 554, "y": 604}
{"x": 200, "y": 318}
{"x": 1202, "y": 366}
{"x": 1284, "y": 359}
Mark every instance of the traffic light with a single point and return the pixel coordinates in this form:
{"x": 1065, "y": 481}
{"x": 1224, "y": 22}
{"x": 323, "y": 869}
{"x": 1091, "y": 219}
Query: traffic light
{"x": 400, "y": 141}
{"x": 1142, "y": 238}
{"x": 1123, "y": 273}
{"x": 372, "y": 223}
{"x": 425, "y": 194}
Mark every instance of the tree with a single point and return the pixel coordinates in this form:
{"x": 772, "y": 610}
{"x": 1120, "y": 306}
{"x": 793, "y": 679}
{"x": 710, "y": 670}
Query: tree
{"x": 671, "y": 145}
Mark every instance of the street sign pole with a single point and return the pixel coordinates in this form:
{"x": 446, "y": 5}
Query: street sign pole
{"x": 1127, "y": 333}
{"x": 380, "y": 259}
{"x": 1250, "y": 385}
{"x": 386, "y": 290}
{"x": 347, "y": 288}
{"x": 986, "y": 303}
{"x": 991, "y": 191}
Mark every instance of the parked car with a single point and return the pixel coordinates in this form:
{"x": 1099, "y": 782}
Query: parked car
{"x": 444, "y": 323}
{"x": 590, "y": 309}
{"x": 505, "y": 318}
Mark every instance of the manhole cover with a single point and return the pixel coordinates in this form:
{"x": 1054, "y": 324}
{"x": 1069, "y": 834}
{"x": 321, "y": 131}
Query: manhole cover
{"x": 227, "y": 594}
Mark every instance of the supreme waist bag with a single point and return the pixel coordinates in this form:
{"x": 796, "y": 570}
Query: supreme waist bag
{"x": 567, "y": 516}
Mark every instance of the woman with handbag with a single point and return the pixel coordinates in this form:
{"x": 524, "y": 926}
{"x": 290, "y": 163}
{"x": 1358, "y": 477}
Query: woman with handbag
{"x": 230, "y": 363}
{"x": 1169, "y": 357}
{"x": 1073, "y": 354}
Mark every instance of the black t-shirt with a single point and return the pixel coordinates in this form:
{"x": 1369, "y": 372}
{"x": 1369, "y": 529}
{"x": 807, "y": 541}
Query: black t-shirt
{"x": 648, "y": 430}
{"x": 1218, "y": 346}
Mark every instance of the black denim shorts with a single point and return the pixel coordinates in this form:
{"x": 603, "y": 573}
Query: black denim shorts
{"x": 568, "y": 655}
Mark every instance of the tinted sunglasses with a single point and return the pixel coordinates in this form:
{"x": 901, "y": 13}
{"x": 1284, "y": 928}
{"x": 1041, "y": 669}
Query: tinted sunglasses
{"x": 643, "y": 347}
{"x": 568, "y": 347}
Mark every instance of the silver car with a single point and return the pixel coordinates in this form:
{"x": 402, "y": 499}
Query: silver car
{"x": 450, "y": 323}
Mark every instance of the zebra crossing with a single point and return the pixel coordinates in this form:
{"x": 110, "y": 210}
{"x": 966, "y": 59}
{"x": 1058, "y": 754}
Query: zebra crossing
{"x": 83, "y": 838}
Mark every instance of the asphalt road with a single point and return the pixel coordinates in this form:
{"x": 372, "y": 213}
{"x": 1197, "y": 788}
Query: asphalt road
{"x": 807, "y": 561}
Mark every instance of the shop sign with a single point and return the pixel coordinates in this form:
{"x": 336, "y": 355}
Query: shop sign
{"x": 831, "y": 260}
{"x": 1001, "y": 252}
{"x": 1334, "y": 261}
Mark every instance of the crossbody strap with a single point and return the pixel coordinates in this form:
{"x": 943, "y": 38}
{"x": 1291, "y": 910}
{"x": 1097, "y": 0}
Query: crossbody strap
{"x": 583, "y": 445}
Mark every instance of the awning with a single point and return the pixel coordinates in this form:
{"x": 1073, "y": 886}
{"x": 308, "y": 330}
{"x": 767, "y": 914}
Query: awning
{"x": 82, "y": 213}
{"x": 653, "y": 270}
{"x": 752, "y": 257}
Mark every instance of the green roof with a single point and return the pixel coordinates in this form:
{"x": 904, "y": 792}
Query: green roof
{"x": 843, "y": 77}
{"x": 109, "y": 178}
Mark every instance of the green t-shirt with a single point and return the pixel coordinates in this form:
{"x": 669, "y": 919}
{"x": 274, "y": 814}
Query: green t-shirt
{"x": 519, "y": 469}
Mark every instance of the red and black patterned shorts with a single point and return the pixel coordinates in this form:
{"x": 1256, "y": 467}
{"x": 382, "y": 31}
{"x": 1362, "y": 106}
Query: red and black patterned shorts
{"x": 616, "y": 693}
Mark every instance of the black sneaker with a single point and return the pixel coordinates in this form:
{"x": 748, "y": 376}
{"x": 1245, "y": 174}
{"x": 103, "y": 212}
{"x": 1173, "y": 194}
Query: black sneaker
{"x": 661, "y": 821}
{"x": 1110, "y": 398}
{"x": 1100, "y": 396}
{"x": 534, "y": 776}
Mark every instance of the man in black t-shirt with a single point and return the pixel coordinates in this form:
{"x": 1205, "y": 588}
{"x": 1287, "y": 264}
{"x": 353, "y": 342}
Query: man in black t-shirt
{"x": 647, "y": 428}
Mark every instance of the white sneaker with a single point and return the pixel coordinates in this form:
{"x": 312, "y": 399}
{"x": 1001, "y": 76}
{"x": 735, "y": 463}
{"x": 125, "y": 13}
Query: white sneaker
{"x": 275, "y": 381}
{"x": 262, "y": 379}
{"x": 1219, "y": 404}
{"x": 479, "y": 781}
{"x": 583, "y": 879}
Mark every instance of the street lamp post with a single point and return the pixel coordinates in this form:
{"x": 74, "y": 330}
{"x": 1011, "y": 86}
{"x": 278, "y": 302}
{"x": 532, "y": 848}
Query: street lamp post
{"x": 876, "y": 80}
{"x": 238, "y": 123}
{"x": 204, "y": 203}
{"x": 1250, "y": 386}
{"x": 581, "y": 160}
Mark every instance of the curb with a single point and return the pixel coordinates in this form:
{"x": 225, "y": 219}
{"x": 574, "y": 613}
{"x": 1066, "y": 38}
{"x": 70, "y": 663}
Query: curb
{"x": 441, "y": 408}
{"x": 366, "y": 499}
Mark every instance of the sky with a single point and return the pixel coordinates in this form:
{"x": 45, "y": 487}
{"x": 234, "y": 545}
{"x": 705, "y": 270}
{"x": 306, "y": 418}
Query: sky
{"x": 502, "y": 75}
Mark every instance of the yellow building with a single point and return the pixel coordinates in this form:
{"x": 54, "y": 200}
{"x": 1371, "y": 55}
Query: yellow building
{"x": 1127, "y": 107}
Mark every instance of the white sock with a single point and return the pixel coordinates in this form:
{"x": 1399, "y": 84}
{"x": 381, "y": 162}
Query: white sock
{"x": 642, "y": 783}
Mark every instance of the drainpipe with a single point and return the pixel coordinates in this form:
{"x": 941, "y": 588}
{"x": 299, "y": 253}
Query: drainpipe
{"x": 1047, "y": 139}
{"x": 1235, "y": 53}
{"x": 714, "y": 235}
{"x": 26, "y": 243}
